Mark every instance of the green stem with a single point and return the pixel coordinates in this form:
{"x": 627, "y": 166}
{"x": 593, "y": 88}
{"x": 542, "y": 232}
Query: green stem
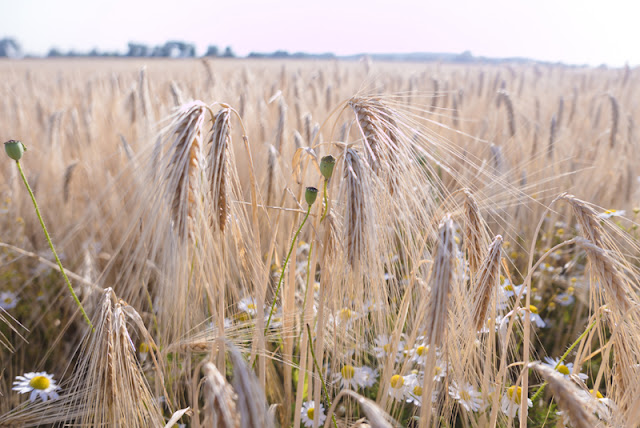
{"x": 565, "y": 355}
{"x": 53, "y": 250}
{"x": 324, "y": 386}
{"x": 284, "y": 267}
{"x": 326, "y": 202}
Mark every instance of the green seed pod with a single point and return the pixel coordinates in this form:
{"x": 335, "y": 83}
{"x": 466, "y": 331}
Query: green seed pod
{"x": 310, "y": 195}
{"x": 15, "y": 149}
{"x": 326, "y": 166}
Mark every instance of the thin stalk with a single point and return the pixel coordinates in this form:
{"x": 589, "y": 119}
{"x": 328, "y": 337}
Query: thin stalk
{"x": 565, "y": 355}
{"x": 324, "y": 386}
{"x": 53, "y": 250}
{"x": 284, "y": 267}
{"x": 326, "y": 202}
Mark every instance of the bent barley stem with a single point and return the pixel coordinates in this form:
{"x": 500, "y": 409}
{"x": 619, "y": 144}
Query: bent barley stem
{"x": 284, "y": 267}
{"x": 53, "y": 250}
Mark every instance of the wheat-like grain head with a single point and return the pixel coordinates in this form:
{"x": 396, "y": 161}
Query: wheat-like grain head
{"x": 578, "y": 406}
{"x": 487, "y": 282}
{"x": 441, "y": 280}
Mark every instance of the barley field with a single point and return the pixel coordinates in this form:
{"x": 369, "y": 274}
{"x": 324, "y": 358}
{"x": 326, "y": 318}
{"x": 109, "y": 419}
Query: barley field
{"x": 262, "y": 243}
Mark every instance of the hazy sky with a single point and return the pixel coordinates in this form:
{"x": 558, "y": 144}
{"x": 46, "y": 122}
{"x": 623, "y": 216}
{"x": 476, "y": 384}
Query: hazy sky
{"x": 573, "y": 31}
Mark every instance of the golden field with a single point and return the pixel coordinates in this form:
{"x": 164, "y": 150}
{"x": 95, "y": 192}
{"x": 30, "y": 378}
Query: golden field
{"x": 479, "y": 225}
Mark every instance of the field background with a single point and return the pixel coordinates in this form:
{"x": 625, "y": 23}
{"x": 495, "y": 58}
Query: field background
{"x": 104, "y": 135}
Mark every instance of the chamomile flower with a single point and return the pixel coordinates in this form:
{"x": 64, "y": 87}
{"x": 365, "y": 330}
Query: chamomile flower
{"x": 249, "y": 306}
{"x": 383, "y": 346}
{"x": 8, "y": 300}
{"x": 535, "y": 317}
{"x": 564, "y": 299}
{"x": 467, "y": 396}
{"x": 348, "y": 376}
{"x": 419, "y": 353}
{"x": 366, "y": 376}
{"x": 309, "y": 411}
{"x": 439, "y": 370}
{"x": 510, "y": 403}
{"x": 40, "y": 384}
{"x": 414, "y": 391}
{"x": 397, "y": 387}
{"x": 612, "y": 213}
{"x": 143, "y": 351}
{"x": 345, "y": 317}
{"x": 563, "y": 368}
{"x": 510, "y": 289}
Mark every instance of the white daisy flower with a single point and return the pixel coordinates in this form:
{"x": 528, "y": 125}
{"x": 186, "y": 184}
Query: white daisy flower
{"x": 366, "y": 376}
{"x": 535, "y": 318}
{"x": 345, "y": 317}
{"x": 8, "y": 300}
{"x": 563, "y": 368}
{"x": 468, "y": 397}
{"x": 40, "y": 384}
{"x": 309, "y": 411}
{"x": 349, "y": 376}
{"x": 510, "y": 289}
{"x": 383, "y": 344}
{"x": 439, "y": 370}
{"x": 249, "y": 305}
{"x": 413, "y": 391}
{"x": 143, "y": 351}
{"x": 397, "y": 387}
{"x": 419, "y": 353}
{"x": 564, "y": 299}
{"x": 510, "y": 403}
{"x": 612, "y": 213}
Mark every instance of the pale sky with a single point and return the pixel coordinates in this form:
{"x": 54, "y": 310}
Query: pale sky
{"x": 573, "y": 31}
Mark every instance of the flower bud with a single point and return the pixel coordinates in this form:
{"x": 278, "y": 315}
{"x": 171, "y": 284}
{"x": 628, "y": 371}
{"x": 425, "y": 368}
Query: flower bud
{"x": 310, "y": 195}
{"x": 326, "y": 166}
{"x": 15, "y": 149}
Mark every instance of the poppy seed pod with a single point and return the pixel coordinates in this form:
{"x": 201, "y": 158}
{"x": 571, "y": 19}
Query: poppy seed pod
{"x": 15, "y": 149}
{"x": 310, "y": 195}
{"x": 326, "y": 166}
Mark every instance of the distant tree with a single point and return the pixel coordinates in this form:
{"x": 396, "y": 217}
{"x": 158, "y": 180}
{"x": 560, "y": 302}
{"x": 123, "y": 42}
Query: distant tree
{"x": 212, "y": 50}
{"x": 228, "y": 53}
{"x": 138, "y": 50}
{"x": 9, "y": 48}
{"x": 54, "y": 53}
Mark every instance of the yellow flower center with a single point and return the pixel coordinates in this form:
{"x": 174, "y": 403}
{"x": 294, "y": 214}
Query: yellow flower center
{"x": 464, "y": 394}
{"x": 310, "y": 413}
{"x": 143, "y": 348}
{"x": 511, "y": 391}
{"x": 345, "y": 314}
{"x": 348, "y": 372}
{"x": 251, "y": 306}
{"x": 533, "y": 309}
{"x": 422, "y": 350}
{"x": 397, "y": 381}
{"x": 242, "y": 316}
{"x": 437, "y": 370}
{"x": 387, "y": 347}
{"x": 598, "y": 395}
{"x": 8, "y": 300}
{"x": 40, "y": 382}
{"x": 508, "y": 287}
{"x": 563, "y": 369}
{"x": 417, "y": 391}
